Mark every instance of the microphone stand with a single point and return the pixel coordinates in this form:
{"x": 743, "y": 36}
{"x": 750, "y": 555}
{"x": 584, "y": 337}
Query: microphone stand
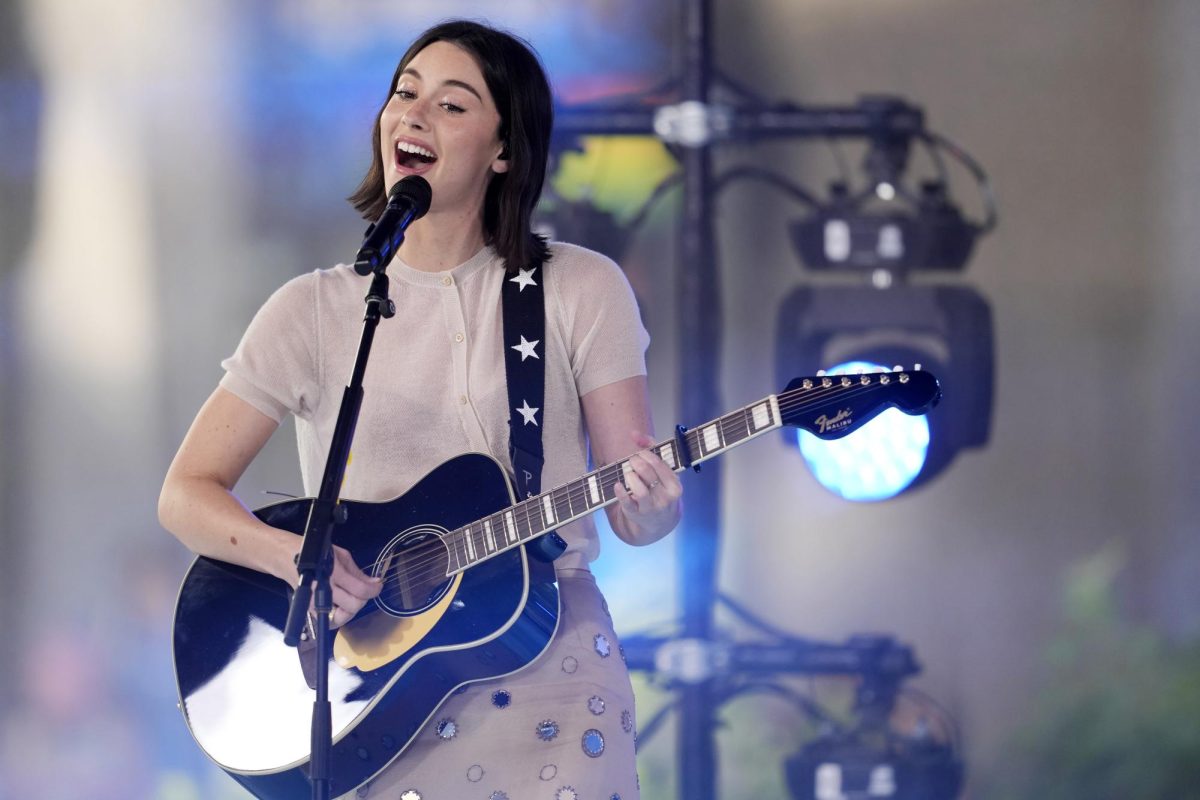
{"x": 315, "y": 560}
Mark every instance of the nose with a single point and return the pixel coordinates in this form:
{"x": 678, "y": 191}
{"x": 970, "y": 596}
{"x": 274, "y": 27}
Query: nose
{"x": 414, "y": 115}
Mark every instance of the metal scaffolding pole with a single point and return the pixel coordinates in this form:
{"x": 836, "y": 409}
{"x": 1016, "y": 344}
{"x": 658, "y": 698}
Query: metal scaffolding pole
{"x": 699, "y": 348}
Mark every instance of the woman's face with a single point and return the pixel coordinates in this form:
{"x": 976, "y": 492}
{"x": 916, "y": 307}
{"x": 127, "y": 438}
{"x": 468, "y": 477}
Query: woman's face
{"x": 442, "y": 124}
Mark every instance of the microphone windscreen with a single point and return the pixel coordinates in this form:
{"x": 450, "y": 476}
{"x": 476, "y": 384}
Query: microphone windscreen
{"x": 413, "y": 191}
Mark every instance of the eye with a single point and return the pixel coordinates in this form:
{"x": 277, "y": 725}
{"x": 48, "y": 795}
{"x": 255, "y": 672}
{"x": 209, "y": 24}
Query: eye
{"x": 452, "y": 108}
{"x": 406, "y": 94}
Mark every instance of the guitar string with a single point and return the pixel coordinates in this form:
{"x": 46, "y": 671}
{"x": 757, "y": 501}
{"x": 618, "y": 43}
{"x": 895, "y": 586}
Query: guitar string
{"x": 427, "y": 566}
{"x": 432, "y": 566}
{"x": 425, "y": 562}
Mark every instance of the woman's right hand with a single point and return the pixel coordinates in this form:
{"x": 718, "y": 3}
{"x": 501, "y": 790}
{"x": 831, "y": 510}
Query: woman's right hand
{"x": 352, "y": 588}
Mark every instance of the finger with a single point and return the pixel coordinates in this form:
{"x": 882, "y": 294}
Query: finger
{"x": 343, "y": 615}
{"x": 340, "y": 616}
{"x": 647, "y": 473}
{"x": 625, "y": 500}
{"x": 663, "y": 476}
{"x": 652, "y": 458}
{"x": 351, "y": 579}
{"x": 637, "y": 477}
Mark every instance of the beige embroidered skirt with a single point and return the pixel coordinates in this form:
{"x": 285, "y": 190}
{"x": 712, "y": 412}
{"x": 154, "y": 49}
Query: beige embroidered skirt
{"x": 561, "y": 729}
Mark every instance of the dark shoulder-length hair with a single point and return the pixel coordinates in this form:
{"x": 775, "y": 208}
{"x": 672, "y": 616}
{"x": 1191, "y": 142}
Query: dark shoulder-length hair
{"x": 519, "y": 88}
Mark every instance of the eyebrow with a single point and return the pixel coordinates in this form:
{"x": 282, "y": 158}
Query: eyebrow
{"x": 448, "y": 82}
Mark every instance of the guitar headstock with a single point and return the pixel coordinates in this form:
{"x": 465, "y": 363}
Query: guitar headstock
{"x": 831, "y": 406}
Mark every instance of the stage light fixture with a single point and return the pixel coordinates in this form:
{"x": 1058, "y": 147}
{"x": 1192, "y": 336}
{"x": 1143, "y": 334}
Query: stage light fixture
{"x": 886, "y": 765}
{"x": 947, "y": 330}
{"x": 887, "y": 226}
{"x": 884, "y": 228}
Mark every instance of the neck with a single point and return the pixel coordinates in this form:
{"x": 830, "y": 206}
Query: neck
{"x": 440, "y": 241}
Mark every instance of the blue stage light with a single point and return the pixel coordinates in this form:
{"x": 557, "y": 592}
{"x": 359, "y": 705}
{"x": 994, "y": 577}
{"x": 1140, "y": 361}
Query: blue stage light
{"x": 945, "y": 329}
{"x": 876, "y": 462}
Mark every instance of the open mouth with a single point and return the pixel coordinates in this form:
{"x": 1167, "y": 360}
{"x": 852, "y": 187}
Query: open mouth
{"x": 413, "y": 156}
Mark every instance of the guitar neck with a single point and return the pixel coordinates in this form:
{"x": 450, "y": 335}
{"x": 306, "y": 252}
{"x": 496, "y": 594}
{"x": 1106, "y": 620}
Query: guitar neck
{"x": 529, "y": 519}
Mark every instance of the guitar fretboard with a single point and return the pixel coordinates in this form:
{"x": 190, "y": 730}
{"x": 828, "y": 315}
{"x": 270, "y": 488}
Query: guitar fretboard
{"x": 530, "y": 518}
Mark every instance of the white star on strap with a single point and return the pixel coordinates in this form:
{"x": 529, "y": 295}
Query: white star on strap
{"x": 525, "y": 348}
{"x": 524, "y": 278}
{"x": 528, "y": 413}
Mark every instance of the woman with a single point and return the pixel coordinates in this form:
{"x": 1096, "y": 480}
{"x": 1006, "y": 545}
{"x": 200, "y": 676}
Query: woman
{"x": 469, "y": 110}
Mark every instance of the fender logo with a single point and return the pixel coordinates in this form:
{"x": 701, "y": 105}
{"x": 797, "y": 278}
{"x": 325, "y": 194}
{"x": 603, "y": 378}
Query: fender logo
{"x": 836, "y": 422}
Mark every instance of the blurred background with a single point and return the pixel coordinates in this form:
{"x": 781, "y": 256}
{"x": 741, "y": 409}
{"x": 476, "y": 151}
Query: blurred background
{"x": 165, "y": 166}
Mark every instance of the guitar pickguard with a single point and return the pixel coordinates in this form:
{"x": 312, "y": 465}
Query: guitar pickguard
{"x": 378, "y": 639}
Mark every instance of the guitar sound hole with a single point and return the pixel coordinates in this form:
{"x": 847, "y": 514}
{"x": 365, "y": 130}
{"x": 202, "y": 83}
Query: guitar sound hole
{"x": 414, "y": 570}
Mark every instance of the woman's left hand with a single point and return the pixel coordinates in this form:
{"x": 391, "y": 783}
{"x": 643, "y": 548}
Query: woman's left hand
{"x": 651, "y": 505}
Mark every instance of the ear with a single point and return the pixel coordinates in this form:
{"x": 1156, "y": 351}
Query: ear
{"x": 501, "y": 162}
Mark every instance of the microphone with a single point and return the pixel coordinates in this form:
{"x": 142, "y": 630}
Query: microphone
{"x": 407, "y": 202}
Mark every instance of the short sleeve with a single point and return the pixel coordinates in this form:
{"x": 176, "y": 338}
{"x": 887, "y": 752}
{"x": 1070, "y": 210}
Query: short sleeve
{"x": 274, "y": 367}
{"x": 604, "y": 330}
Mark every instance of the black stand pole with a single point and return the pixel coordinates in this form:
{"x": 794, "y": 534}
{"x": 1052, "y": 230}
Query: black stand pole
{"x": 315, "y": 561}
{"x": 695, "y": 126}
{"x": 698, "y": 281}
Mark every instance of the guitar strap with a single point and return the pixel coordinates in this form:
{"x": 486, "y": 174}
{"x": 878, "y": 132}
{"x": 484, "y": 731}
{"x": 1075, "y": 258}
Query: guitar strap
{"x": 524, "y": 307}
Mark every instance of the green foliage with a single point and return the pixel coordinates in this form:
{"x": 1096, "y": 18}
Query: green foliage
{"x": 1119, "y": 718}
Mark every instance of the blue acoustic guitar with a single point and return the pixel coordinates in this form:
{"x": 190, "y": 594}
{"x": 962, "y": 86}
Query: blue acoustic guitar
{"x": 469, "y": 594}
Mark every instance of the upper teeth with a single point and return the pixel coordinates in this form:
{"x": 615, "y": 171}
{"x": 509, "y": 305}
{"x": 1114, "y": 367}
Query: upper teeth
{"x": 415, "y": 149}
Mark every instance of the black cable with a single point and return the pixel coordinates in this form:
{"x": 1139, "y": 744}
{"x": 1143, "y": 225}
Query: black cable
{"x": 807, "y": 705}
{"x": 948, "y": 722}
{"x": 797, "y": 193}
{"x": 746, "y": 615}
{"x": 981, "y": 178}
{"x": 794, "y": 191}
{"x": 935, "y": 155}
{"x": 840, "y": 159}
{"x": 739, "y": 89}
{"x": 644, "y": 732}
{"x": 665, "y": 185}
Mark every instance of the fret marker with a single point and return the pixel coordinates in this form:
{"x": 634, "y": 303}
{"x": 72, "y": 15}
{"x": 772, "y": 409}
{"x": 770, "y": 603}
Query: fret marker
{"x": 488, "y": 536}
{"x": 470, "y": 545}
{"x": 762, "y": 416}
{"x": 626, "y": 471}
{"x": 712, "y": 440}
{"x": 667, "y": 454}
{"x": 510, "y": 527}
{"x": 593, "y": 490}
{"x": 548, "y": 510}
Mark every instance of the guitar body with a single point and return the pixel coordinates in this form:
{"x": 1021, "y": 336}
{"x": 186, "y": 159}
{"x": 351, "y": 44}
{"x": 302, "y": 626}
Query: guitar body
{"x": 246, "y": 696}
